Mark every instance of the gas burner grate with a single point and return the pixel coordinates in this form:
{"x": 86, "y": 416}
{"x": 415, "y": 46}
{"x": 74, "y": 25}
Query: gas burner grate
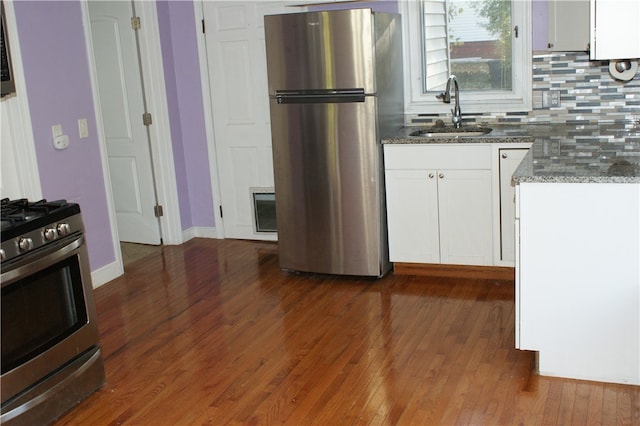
{"x": 21, "y": 215}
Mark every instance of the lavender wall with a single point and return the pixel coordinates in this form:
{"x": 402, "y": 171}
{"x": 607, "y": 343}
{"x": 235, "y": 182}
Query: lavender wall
{"x": 540, "y": 25}
{"x": 184, "y": 97}
{"x": 164, "y": 23}
{"x": 58, "y": 85}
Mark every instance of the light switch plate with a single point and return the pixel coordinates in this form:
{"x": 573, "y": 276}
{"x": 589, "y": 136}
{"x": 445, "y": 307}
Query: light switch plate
{"x": 83, "y": 128}
{"x": 56, "y": 130}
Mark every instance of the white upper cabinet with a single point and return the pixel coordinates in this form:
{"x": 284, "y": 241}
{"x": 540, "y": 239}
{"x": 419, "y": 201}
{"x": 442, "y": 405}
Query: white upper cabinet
{"x": 615, "y": 29}
{"x": 568, "y": 25}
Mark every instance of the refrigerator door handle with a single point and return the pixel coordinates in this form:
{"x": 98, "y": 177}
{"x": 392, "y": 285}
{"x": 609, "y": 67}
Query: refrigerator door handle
{"x": 320, "y": 96}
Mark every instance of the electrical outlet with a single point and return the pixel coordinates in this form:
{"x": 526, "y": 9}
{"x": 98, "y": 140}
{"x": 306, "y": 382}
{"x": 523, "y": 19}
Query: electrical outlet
{"x": 61, "y": 142}
{"x": 551, "y": 99}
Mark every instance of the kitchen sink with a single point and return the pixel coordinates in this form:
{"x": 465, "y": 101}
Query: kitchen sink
{"x": 450, "y": 132}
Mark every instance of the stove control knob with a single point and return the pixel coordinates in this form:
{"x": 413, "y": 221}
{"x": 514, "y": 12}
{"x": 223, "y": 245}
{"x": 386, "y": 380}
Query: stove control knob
{"x": 50, "y": 234}
{"x": 25, "y": 244}
{"x": 63, "y": 229}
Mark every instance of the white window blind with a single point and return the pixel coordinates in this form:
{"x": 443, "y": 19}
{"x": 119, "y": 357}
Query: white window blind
{"x": 436, "y": 45}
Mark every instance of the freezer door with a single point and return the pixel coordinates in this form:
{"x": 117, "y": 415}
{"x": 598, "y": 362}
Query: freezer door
{"x": 320, "y": 50}
{"x": 328, "y": 171}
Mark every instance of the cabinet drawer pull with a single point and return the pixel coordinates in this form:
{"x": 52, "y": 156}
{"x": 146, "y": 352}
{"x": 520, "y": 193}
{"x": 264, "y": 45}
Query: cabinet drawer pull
{"x": 504, "y": 155}
{"x": 431, "y": 175}
{"x": 441, "y": 175}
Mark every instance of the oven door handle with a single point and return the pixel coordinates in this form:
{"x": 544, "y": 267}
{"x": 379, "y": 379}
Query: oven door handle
{"x": 51, "y": 257}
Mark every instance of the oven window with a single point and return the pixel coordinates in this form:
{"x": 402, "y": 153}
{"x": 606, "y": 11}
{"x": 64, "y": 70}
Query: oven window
{"x": 41, "y": 310}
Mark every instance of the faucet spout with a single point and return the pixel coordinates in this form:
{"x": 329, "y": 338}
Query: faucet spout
{"x": 457, "y": 113}
{"x": 446, "y": 98}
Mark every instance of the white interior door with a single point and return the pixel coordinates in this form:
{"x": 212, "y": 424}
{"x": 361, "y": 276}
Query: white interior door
{"x": 238, "y": 82}
{"x": 122, "y": 103}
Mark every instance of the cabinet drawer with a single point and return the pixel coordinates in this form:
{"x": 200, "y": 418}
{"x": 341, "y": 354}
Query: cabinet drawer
{"x": 449, "y": 156}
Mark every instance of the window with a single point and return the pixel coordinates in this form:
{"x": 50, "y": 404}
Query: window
{"x": 485, "y": 43}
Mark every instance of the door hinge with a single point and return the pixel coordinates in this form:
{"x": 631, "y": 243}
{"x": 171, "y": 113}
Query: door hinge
{"x": 221, "y": 211}
{"x": 135, "y": 23}
{"x": 203, "y": 31}
{"x": 157, "y": 210}
{"x": 146, "y": 119}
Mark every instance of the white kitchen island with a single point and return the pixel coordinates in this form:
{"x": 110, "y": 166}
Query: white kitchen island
{"x": 578, "y": 254}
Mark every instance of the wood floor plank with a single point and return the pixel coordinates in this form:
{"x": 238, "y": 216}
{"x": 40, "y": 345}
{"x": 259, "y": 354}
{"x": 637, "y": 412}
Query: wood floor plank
{"x": 213, "y": 332}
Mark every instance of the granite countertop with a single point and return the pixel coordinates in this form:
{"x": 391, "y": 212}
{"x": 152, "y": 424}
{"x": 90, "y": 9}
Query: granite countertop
{"x": 498, "y": 134}
{"x": 573, "y": 154}
{"x": 569, "y": 153}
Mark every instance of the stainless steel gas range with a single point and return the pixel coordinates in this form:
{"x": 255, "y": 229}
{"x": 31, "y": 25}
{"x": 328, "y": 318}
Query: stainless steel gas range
{"x": 51, "y": 354}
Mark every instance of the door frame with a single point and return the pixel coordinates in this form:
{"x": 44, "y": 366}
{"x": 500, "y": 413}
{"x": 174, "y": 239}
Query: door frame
{"x": 159, "y": 131}
{"x": 20, "y": 124}
{"x": 212, "y": 144}
{"x": 198, "y": 9}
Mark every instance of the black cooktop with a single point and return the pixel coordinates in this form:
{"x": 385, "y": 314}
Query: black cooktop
{"x": 21, "y": 216}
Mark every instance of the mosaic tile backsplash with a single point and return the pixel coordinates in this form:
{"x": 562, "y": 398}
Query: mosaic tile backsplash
{"x": 588, "y": 94}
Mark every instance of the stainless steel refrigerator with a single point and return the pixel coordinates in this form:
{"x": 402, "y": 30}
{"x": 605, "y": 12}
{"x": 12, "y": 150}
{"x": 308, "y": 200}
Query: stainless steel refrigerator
{"x": 335, "y": 89}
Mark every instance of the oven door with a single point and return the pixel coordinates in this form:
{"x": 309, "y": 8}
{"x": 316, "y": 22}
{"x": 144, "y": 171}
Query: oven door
{"x": 48, "y": 314}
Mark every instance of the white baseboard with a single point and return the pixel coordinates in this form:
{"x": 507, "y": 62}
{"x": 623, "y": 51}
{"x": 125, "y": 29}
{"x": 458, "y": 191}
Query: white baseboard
{"x": 115, "y": 269}
{"x": 106, "y": 273}
{"x": 199, "y": 232}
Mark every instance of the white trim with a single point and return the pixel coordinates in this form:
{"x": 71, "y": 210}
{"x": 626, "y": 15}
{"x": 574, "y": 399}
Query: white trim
{"x": 105, "y": 274}
{"x": 198, "y": 9}
{"x": 26, "y": 162}
{"x": 162, "y": 157}
{"x": 160, "y": 131}
{"x": 117, "y": 267}
{"x": 417, "y": 102}
{"x": 199, "y": 232}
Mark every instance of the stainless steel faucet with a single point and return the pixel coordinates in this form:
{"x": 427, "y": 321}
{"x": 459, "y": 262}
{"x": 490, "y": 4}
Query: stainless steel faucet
{"x": 446, "y": 98}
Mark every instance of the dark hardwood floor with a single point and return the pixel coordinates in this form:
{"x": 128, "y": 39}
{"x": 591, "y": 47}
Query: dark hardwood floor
{"x": 212, "y": 332}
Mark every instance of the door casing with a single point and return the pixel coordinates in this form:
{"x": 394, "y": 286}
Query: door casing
{"x": 162, "y": 155}
{"x": 242, "y": 137}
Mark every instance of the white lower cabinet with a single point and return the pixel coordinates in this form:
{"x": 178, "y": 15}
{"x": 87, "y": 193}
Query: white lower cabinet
{"x": 510, "y": 159}
{"x": 578, "y": 279}
{"x": 439, "y": 214}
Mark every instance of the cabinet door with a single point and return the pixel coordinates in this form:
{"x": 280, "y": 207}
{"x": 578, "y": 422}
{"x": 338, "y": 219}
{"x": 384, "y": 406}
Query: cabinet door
{"x": 615, "y": 33}
{"x": 510, "y": 159}
{"x": 568, "y": 25}
{"x": 464, "y": 200}
{"x": 412, "y": 215}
